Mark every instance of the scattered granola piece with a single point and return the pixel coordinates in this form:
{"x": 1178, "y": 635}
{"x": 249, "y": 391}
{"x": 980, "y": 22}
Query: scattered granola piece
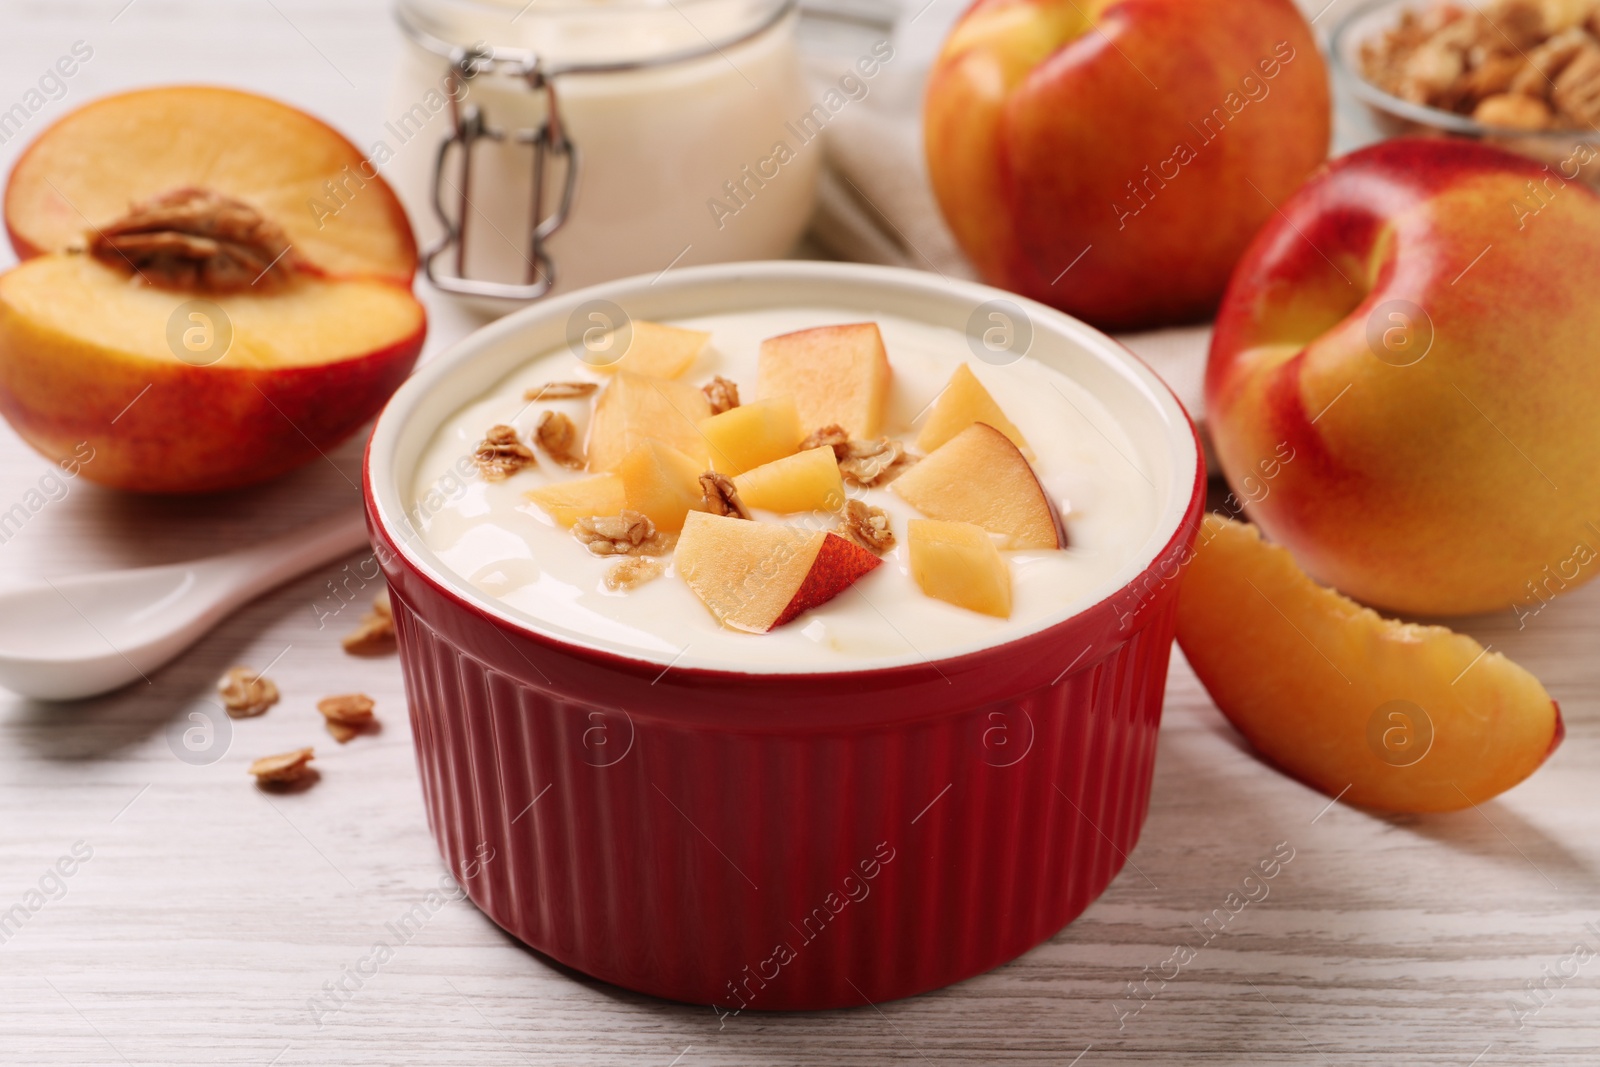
{"x": 500, "y": 454}
{"x": 867, "y": 526}
{"x": 561, "y": 391}
{"x": 375, "y": 634}
{"x": 283, "y": 769}
{"x": 557, "y": 434}
{"x": 628, "y": 574}
{"x": 721, "y": 497}
{"x": 246, "y": 694}
{"x": 723, "y": 394}
{"x": 627, "y": 534}
{"x": 347, "y": 715}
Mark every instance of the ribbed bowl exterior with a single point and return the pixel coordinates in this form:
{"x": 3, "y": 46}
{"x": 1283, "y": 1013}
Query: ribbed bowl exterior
{"x": 785, "y": 842}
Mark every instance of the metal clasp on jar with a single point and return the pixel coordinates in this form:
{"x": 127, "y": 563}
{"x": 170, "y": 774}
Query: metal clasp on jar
{"x": 469, "y": 125}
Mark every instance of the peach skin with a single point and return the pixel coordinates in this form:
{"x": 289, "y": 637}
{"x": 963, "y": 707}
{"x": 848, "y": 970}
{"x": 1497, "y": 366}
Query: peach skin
{"x": 1113, "y": 159}
{"x": 1418, "y": 332}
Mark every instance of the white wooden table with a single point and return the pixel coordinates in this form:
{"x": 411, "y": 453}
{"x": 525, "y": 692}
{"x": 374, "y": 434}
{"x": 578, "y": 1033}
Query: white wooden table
{"x": 210, "y": 914}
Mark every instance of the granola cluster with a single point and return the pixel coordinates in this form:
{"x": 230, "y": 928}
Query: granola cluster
{"x": 557, "y": 434}
{"x": 722, "y": 394}
{"x": 1519, "y": 64}
{"x": 627, "y": 534}
{"x": 862, "y": 463}
{"x": 629, "y": 574}
{"x": 867, "y": 526}
{"x": 501, "y": 454}
{"x": 374, "y": 635}
{"x": 246, "y": 694}
{"x": 284, "y": 769}
{"x": 721, "y": 497}
{"x": 561, "y": 391}
{"x": 347, "y": 715}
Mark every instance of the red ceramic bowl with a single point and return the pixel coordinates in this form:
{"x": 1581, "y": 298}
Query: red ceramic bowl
{"x": 759, "y": 841}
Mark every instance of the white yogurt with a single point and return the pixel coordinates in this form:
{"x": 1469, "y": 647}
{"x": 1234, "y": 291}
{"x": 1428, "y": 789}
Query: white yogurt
{"x": 509, "y": 549}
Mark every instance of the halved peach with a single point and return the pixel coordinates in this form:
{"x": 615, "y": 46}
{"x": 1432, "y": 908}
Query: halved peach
{"x": 745, "y": 437}
{"x": 217, "y": 289}
{"x": 90, "y": 360}
{"x": 1390, "y": 715}
{"x": 838, "y": 375}
{"x": 582, "y": 498}
{"x": 806, "y": 481}
{"x": 633, "y": 409}
{"x": 958, "y": 562}
{"x": 84, "y": 171}
{"x": 979, "y": 476}
{"x": 964, "y": 402}
{"x": 653, "y": 349}
{"x": 661, "y": 483}
{"x": 754, "y": 576}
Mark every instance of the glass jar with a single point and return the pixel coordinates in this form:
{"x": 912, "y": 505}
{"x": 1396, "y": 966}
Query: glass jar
{"x": 545, "y": 145}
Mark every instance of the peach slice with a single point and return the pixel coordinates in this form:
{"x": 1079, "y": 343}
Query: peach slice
{"x": 958, "y": 562}
{"x": 836, "y": 374}
{"x": 633, "y": 409}
{"x": 84, "y": 171}
{"x": 745, "y": 437}
{"x": 964, "y": 402}
{"x": 584, "y": 498}
{"x": 654, "y": 350}
{"x": 754, "y": 576}
{"x": 807, "y": 481}
{"x": 1392, "y": 715}
{"x": 662, "y": 483}
{"x": 979, "y": 476}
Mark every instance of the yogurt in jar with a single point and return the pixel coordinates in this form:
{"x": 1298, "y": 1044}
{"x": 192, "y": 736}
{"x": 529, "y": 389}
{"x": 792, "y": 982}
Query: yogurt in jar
{"x": 672, "y": 108}
{"x": 510, "y": 550}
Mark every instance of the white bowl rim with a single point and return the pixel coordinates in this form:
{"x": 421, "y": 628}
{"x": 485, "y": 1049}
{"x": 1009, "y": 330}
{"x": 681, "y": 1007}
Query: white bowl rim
{"x": 386, "y": 495}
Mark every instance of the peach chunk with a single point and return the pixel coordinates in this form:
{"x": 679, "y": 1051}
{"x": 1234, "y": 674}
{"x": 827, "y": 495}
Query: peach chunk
{"x": 754, "y": 576}
{"x": 958, "y": 562}
{"x": 964, "y": 402}
{"x": 836, "y": 374}
{"x": 979, "y": 476}
{"x": 1392, "y": 715}
{"x": 662, "y": 483}
{"x": 633, "y": 408}
{"x": 651, "y": 349}
{"x": 567, "y": 502}
{"x": 747, "y": 436}
{"x": 807, "y": 481}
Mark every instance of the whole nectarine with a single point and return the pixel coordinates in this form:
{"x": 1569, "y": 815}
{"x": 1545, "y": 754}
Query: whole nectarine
{"x": 1417, "y": 333}
{"x": 1113, "y": 159}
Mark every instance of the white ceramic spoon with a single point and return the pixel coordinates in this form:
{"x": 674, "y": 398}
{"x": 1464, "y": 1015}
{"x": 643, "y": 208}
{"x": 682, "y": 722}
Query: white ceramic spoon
{"x": 75, "y": 637}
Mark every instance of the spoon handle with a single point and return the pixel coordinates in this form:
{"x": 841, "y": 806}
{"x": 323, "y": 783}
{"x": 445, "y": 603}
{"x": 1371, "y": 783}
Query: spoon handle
{"x": 254, "y": 570}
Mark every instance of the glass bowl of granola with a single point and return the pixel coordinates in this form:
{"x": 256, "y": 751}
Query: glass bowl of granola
{"x": 1521, "y": 74}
